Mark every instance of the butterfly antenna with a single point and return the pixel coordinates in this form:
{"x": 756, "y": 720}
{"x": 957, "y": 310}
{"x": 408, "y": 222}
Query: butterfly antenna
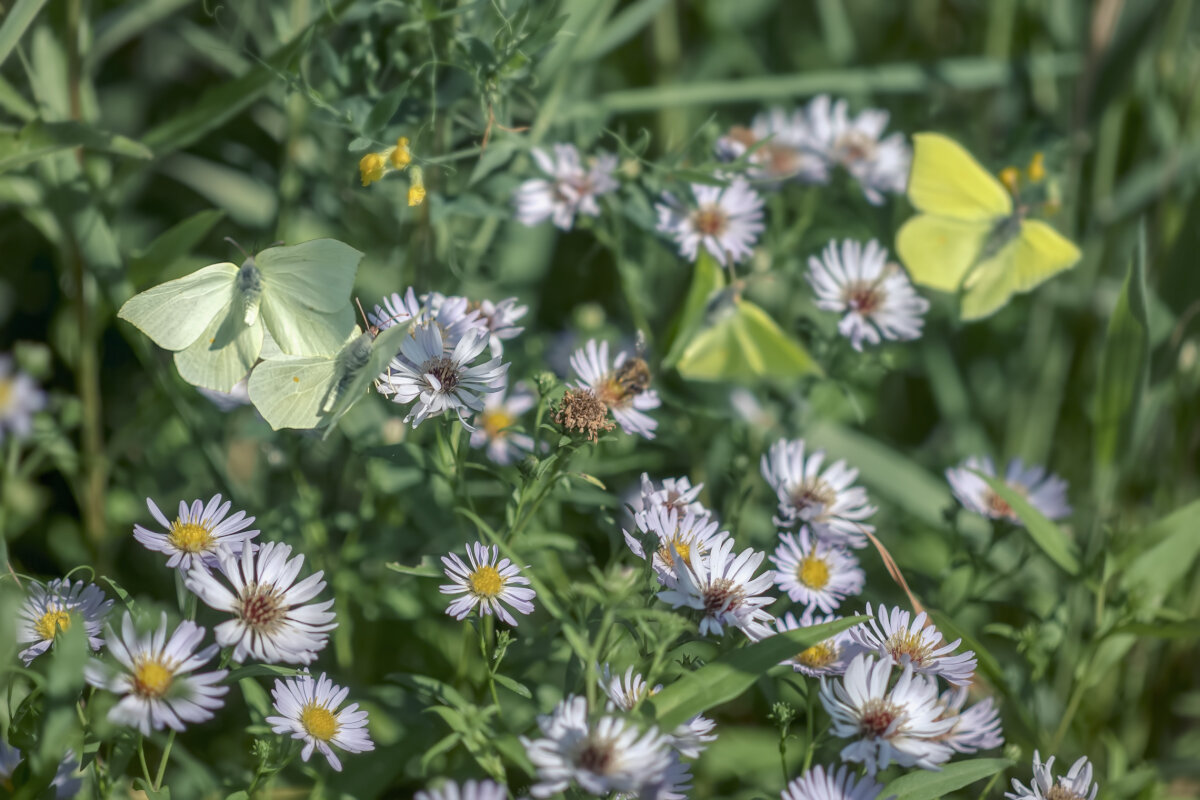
{"x": 233, "y": 242}
{"x": 366, "y": 322}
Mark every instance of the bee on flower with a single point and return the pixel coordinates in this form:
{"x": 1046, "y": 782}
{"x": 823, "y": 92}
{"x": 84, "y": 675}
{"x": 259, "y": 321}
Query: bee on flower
{"x": 622, "y": 388}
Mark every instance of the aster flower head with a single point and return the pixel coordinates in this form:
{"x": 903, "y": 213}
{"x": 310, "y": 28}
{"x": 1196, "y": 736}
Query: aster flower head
{"x": 455, "y": 316}
{"x": 681, "y": 538}
{"x": 20, "y": 399}
{"x": 501, "y": 410}
{"x": 439, "y": 382}
{"x": 899, "y": 725}
{"x": 824, "y": 499}
{"x": 879, "y": 164}
{"x": 828, "y": 657}
{"x": 1075, "y": 785}
{"x": 570, "y": 188}
{"x": 609, "y": 754}
{"x": 815, "y": 573}
{"x": 725, "y": 220}
{"x": 307, "y": 710}
{"x": 471, "y": 790}
{"x": 623, "y": 387}
{"x": 273, "y": 619}
{"x": 487, "y": 584}
{"x": 197, "y": 533}
{"x": 500, "y": 320}
{"x": 875, "y": 295}
{"x": 723, "y": 587}
{"x": 625, "y": 692}
{"x": 54, "y": 607}
{"x": 821, "y": 783}
{"x": 781, "y": 148}
{"x": 894, "y": 633}
{"x": 977, "y": 728}
{"x": 1045, "y": 491}
{"x": 156, "y": 677}
{"x": 397, "y": 309}
{"x": 67, "y": 780}
{"x": 671, "y": 493}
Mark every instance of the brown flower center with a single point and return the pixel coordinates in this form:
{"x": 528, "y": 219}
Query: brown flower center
{"x": 445, "y": 370}
{"x": 710, "y": 220}
{"x": 722, "y": 595}
{"x": 817, "y": 496}
{"x": 596, "y": 757}
{"x": 1061, "y": 792}
{"x": 865, "y": 298}
{"x": 262, "y": 607}
{"x": 876, "y": 717}
{"x": 854, "y": 146}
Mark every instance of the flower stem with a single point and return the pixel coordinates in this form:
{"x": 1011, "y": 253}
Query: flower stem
{"x": 162, "y": 764}
{"x": 142, "y": 759}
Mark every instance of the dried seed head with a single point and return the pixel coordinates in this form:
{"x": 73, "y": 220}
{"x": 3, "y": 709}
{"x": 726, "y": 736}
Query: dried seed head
{"x": 581, "y": 410}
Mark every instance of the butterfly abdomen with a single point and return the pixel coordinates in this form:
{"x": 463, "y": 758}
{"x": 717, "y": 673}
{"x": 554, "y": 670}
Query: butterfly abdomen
{"x": 351, "y": 361}
{"x": 249, "y": 286}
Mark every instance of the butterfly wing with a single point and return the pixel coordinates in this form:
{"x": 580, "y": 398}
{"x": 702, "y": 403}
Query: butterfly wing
{"x": 948, "y": 182}
{"x": 176, "y": 313}
{"x": 744, "y": 344}
{"x": 290, "y": 391}
{"x": 939, "y": 251}
{"x": 306, "y": 295}
{"x": 1037, "y": 254}
{"x": 223, "y": 354}
{"x": 353, "y": 381}
{"x": 305, "y": 331}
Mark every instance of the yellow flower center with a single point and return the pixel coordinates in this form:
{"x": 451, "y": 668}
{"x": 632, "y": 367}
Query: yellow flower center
{"x": 151, "y": 678}
{"x": 902, "y": 643}
{"x": 682, "y": 548}
{"x": 486, "y": 582}
{"x": 319, "y": 722}
{"x": 53, "y": 621}
{"x": 495, "y": 420}
{"x": 1061, "y": 792}
{"x": 818, "y": 656}
{"x": 813, "y": 572}
{"x": 190, "y": 537}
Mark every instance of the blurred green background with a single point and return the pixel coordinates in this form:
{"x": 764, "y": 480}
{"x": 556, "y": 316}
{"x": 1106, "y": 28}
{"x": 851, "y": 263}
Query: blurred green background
{"x": 135, "y": 136}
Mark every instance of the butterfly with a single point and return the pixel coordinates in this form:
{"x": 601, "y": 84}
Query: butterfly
{"x": 734, "y": 339}
{"x": 970, "y": 238}
{"x": 317, "y": 391}
{"x": 214, "y": 319}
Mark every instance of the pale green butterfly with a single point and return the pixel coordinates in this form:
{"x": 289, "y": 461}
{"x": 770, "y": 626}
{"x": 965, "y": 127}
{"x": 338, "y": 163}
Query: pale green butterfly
{"x": 211, "y": 318}
{"x": 316, "y": 391}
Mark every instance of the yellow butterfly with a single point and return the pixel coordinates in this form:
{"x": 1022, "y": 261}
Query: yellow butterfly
{"x": 969, "y": 237}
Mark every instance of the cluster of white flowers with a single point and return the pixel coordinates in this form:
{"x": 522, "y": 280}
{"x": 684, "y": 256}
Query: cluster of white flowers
{"x": 438, "y": 369}
{"x": 569, "y": 189}
{"x": 1044, "y": 491}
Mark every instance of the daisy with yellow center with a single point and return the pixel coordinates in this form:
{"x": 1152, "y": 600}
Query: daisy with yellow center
{"x": 895, "y": 634}
{"x": 156, "y": 677}
{"x": 676, "y": 537}
{"x": 829, "y": 657}
{"x": 308, "y": 711}
{"x": 486, "y": 583}
{"x": 197, "y": 532}
{"x": 501, "y": 411}
{"x": 814, "y": 573}
{"x": 52, "y": 608}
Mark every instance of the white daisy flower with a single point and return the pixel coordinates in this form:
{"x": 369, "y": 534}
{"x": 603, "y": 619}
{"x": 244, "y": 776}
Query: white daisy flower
{"x": 900, "y": 726}
{"x": 828, "y": 657}
{"x": 53, "y": 608}
{"x": 977, "y": 728}
{"x": 20, "y": 399}
{"x": 783, "y": 148}
{"x": 626, "y": 692}
{"x": 724, "y": 588}
{"x": 726, "y": 220}
{"x": 878, "y": 164}
{"x": 571, "y": 189}
{"x": 273, "y": 620}
{"x": 197, "y": 533}
{"x": 486, "y": 583}
{"x": 679, "y": 534}
{"x": 396, "y": 310}
{"x": 1075, "y": 785}
{"x": 501, "y": 410}
{"x": 308, "y": 711}
{"x": 891, "y": 635}
{"x": 1045, "y": 491}
{"x": 624, "y": 388}
{"x": 500, "y": 319}
{"x": 601, "y": 757}
{"x": 875, "y": 295}
{"x": 438, "y": 381}
{"x": 677, "y": 493}
{"x": 471, "y": 790}
{"x": 815, "y": 573}
{"x": 67, "y": 779}
{"x": 820, "y": 783}
{"x": 825, "y": 500}
{"x": 456, "y": 317}
{"x": 673, "y": 785}
{"x": 158, "y": 688}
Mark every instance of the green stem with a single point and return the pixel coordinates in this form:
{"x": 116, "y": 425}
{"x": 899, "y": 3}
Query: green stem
{"x": 162, "y": 764}
{"x": 142, "y": 759}
{"x": 1069, "y": 714}
{"x": 809, "y": 714}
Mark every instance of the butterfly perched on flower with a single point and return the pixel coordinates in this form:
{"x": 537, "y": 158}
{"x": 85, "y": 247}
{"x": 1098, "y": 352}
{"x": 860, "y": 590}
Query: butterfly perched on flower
{"x": 971, "y": 237}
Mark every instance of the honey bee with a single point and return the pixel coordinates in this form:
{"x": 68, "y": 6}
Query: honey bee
{"x": 633, "y": 376}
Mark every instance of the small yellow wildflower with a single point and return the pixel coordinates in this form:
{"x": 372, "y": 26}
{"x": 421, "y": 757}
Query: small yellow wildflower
{"x": 1037, "y": 167}
{"x": 416, "y": 191}
{"x": 1011, "y": 178}
{"x": 401, "y": 155}
{"x": 371, "y": 167}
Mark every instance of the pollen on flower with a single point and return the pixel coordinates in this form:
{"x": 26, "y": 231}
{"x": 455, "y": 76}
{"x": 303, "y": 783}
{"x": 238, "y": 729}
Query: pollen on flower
{"x": 53, "y": 621}
{"x": 818, "y": 656}
{"x": 582, "y": 411}
{"x": 151, "y": 678}
{"x": 371, "y": 167}
{"x": 813, "y": 572}
{"x": 903, "y": 643}
{"x": 682, "y": 548}
{"x": 444, "y": 370}
{"x": 486, "y": 581}
{"x": 319, "y": 722}
{"x": 190, "y": 537}
{"x": 1059, "y": 791}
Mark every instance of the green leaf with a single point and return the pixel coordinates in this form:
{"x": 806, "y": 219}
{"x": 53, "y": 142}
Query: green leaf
{"x": 513, "y": 686}
{"x": 733, "y": 673}
{"x": 422, "y": 570}
{"x": 261, "y": 670}
{"x": 40, "y": 139}
{"x": 922, "y": 784}
{"x": 1124, "y": 367}
{"x": 1045, "y": 533}
{"x": 171, "y": 245}
{"x": 1189, "y": 629}
{"x": 623, "y": 27}
{"x": 1157, "y": 570}
{"x": 383, "y": 111}
{"x": 19, "y": 17}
